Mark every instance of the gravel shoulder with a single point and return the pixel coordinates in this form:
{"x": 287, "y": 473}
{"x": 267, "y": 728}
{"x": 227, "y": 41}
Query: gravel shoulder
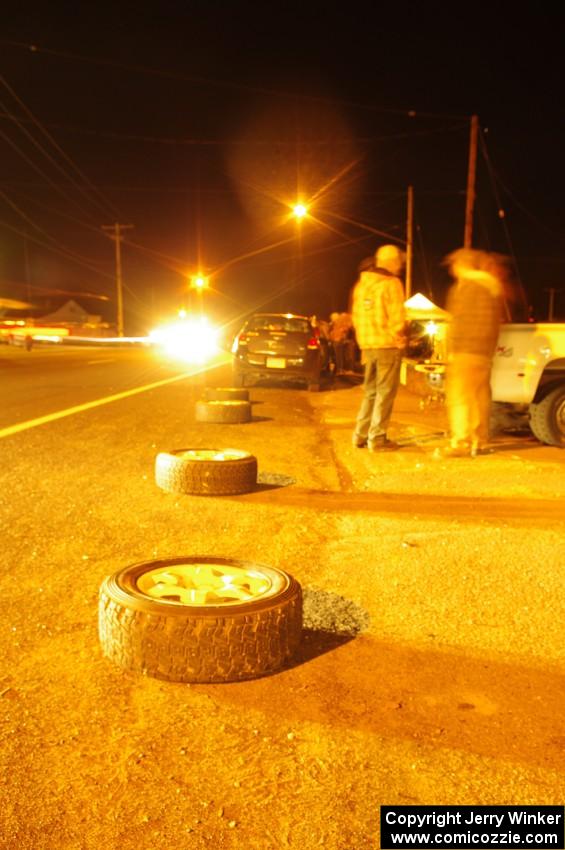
{"x": 432, "y": 666}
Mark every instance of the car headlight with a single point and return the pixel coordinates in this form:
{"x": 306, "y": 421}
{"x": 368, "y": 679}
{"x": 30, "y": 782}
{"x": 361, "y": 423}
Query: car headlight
{"x": 193, "y": 340}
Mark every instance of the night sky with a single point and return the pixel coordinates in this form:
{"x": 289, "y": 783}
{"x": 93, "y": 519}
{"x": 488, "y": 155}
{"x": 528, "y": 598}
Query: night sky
{"x": 199, "y": 123}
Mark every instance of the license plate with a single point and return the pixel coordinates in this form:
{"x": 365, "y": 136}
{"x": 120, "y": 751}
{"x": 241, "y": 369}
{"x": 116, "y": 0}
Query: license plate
{"x": 276, "y": 362}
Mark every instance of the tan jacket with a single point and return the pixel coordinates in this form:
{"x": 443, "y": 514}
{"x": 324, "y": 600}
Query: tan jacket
{"x": 475, "y": 304}
{"x": 378, "y": 312}
{"x": 340, "y": 328}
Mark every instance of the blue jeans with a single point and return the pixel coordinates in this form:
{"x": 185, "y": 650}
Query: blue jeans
{"x": 382, "y": 374}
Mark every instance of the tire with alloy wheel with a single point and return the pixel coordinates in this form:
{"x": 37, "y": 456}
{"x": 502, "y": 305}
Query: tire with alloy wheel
{"x": 547, "y": 418}
{"x": 225, "y": 394}
{"x": 223, "y": 412}
{"x": 206, "y": 472}
{"x": 200, "y": 619}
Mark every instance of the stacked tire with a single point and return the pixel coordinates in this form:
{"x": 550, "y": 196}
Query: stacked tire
{"x": 223, "y": 412}
{"x": 206, "y": 472}
{"x": 225, "y": 394}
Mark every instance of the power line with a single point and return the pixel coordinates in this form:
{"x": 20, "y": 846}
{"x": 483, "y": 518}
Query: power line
{"x": 227, "y": 84}
{"x": 192, "y": 142}
{"x": 37, "y": 227}
{"x": 42, "y": 173}
{"x": 500, "y": 209}
{"x": 316, "y": 251}
{"x": 63, "y": 252}
{"x": 48, "y": 156}
{"x": 50, "y": 209}
{"x": 365, "y": 227}
{"x": 521, "y": 206}
{"x": 50, "y": 291}
{"x": 69, "y": 253}
{"x": 106, "y": 204}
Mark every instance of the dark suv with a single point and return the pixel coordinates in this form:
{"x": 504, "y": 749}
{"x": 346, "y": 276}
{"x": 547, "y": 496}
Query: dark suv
{"x": 279, "y": 346}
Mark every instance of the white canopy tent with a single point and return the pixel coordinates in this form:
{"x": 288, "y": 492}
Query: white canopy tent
{"x": 420, "y": 307}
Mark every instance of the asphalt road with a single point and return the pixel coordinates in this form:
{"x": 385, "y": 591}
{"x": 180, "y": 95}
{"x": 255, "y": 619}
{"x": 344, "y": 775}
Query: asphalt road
{"x": 432, "y": 666}
{"x": 54, "y": 378}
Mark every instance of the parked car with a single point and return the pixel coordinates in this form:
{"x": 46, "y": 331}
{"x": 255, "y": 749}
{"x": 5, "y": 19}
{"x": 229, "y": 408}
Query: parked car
{"x": 279, "y": 346}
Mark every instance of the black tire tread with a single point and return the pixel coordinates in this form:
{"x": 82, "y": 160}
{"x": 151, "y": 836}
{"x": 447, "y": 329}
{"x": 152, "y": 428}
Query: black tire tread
{"x": 177, "y": 474}
{"x": 218, "y": 412}
{"x": 542, "y": 419}
{"x": 193, "y": 648}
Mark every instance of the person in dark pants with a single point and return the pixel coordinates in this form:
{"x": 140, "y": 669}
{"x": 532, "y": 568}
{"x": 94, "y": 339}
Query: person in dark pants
{"x": 379, "y": 320}
{"x": 340, "y": 331}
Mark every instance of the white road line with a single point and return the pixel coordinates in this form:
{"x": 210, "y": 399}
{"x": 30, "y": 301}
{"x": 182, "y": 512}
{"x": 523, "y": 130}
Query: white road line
{"x": 70, "y": 411}
{"x": 101, "y": 360}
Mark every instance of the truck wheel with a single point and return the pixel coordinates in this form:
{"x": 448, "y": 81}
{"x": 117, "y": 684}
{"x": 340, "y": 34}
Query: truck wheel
{"x": 225, "y": 394}
{"x": 200, "y": 619}
{"x": 547, "y": 418}
{"x": 206, "y": 472}
{"x": 228, "y": 412}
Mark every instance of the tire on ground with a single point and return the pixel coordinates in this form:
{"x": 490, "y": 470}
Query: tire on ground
{"x": 191, "y": 643}
{"x": 547, "y": 418}
{"x": 225, "y": 394}
{"x": 228, "y": 412}
{"x": 206, "y": 472}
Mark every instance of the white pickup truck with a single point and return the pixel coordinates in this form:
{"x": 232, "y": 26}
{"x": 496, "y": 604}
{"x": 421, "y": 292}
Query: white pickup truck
{"x": 527, "y": 380}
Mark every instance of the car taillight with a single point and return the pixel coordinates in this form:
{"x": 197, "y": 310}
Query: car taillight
{"x": 313, "y": 343}
{"x": 238, "y": 342}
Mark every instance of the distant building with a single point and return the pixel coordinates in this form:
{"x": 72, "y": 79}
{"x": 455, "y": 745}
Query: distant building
{"x": 77, "y": 320}
{"x": 70, "y": 319}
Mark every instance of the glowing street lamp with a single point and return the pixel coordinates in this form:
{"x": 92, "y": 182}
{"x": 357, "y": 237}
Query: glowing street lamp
{"x": 300, "y": 211}
{"x": 199, "y": 282}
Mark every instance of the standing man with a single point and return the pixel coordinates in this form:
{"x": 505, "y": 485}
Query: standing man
{"x": 340, "y": 338}
{"x": 379, "y": 320}
{"x": 475, "y": 303}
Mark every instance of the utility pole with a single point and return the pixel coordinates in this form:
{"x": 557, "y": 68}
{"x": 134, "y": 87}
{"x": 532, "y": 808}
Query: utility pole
{"x": 409, "y": 241}
{"x": 27, "y": 270}
{"x": 117, "y": 238}
{"x": 471, "y": 176}
{"x": 550, "y": 313}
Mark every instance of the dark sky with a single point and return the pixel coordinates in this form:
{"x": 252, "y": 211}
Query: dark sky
{"x": 198, "y": 123}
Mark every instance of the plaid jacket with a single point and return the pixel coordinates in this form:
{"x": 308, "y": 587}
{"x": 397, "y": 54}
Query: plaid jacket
{"x": 378, "y": 310}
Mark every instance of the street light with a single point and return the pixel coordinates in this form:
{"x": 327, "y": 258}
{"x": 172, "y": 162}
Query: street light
{"x": 300, "y": 211}
{"x": 199, "y": 283}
